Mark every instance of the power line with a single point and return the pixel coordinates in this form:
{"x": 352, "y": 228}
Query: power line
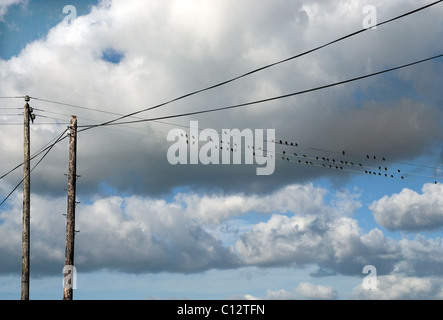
{"x": 317, "y": 157}
{"x": 77, "y": 106}
{"x": 41, "y": 159}
{"x": 279, "y": 62}
{"x": 36, "y": 154}
{"x": 247, "y": 73}
{"x": 112, "y": 122}
{"x": 340, "y": 161}
{"x": 21, "y": 97}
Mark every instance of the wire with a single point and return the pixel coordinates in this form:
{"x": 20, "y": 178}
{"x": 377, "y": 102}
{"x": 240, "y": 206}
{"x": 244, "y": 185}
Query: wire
{"x": 60, "y": 138}
{"x": 22, "y": 97}
{"x": 112, "y": 122}
{"x": 247, "y": 73}
{"x": 76, "y": 106}
{"x": 40, "y": 123}
{"x": 262, "y": 100}
{"x": 279, "y": 62}
{"x": 340, "y": 164}
{"x": 38, "y": 152}
{"x": 316, "y": 157}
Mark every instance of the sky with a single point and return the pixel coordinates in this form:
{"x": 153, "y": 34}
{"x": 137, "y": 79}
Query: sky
{"x": 358, "y": 166}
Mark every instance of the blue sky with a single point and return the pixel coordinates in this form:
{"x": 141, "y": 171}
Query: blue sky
{"x": 29, "y": 21}
{"x": 152, "y": 230}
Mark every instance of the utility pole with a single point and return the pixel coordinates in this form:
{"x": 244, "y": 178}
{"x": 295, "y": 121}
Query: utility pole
{"x": 69, "y": 269}
{"x": 26, "y": 201}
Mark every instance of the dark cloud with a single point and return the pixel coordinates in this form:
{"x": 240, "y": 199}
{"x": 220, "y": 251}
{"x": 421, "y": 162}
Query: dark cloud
{"x": 122, "y": 58}
{"x": 380, "y": 115}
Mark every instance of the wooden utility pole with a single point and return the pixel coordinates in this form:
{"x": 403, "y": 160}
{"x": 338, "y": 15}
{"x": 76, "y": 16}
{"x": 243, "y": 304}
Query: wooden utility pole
{"x": 68, "y": 283}
{"x": 26, "y": 201}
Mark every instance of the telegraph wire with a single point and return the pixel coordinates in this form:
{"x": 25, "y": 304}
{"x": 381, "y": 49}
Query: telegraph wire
{"x": 21, "y": 97}
{"x": 247, "y": 73}
{"x": 37, "y": 153}
{"x": 40, "y": 123}
{"x": 341, "y": 164}
{"x": 237, "y": 77}
{"x": 60, "y": 138}
{"x": 316, "y": 150}
{"x": 77, "y": 106}
{"x": 112, "y": 122}
{"x": 342, "y": 161}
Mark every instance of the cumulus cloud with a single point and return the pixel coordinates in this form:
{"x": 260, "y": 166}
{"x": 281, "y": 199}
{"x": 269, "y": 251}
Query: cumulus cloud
{"x": 138, "y": 234}
{"x": 421, "y": 256}
{"x": 124, "y": 56}
{"x": 4, "y": 4}
{"x": 216, "y": 43}
{"x": 130, "y": 235}
{"x": 334, "y": 243}
{"x": 397, "y": 287}
{"x": 143, "y": 234}
{"x": 304, "y": 291}
{"x": 411, "y": 211}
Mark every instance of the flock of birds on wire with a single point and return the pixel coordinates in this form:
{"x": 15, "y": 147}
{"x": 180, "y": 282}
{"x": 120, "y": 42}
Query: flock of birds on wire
{"x": 342, "y": 162}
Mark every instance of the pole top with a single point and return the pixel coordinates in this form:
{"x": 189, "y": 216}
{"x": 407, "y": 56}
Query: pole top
{"x": 27, "y": 98}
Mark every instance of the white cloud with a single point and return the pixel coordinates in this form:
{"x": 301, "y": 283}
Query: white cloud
{"x": 300, "y": 199}
{"x": 140, "y": 233}
{"x": 226, "y": 40}
{"x": 421, "y": 256}
{"x": 304, "y": 291}
{"x": 409, "y": 210}
{"x": 169, "y": 49}
{"x": 4, "y": 4}
{"x": 307, "y": 290}
{"x": 136, "y": 234}
{"x": 397, "y": 287}
{"x": 334, "y": 242}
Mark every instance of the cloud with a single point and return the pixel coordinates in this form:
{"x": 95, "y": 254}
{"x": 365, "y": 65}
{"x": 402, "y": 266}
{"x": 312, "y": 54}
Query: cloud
{"x": 304, "y": 291}
{"x": 142, "y": 234}
{"x": 216, "y": 43}
{"x": 421, "y": 256}
{"x": 411, "y": 211}
{"x": 395, "y": 287}
{"x": 130, "y": 235}
{"x": 137, "y": 235}
{"x": 141, "y": 214}
{"x": 7, "y": 3}
{"x": 303, "y": 199}
{"x": 333, "y": 242}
